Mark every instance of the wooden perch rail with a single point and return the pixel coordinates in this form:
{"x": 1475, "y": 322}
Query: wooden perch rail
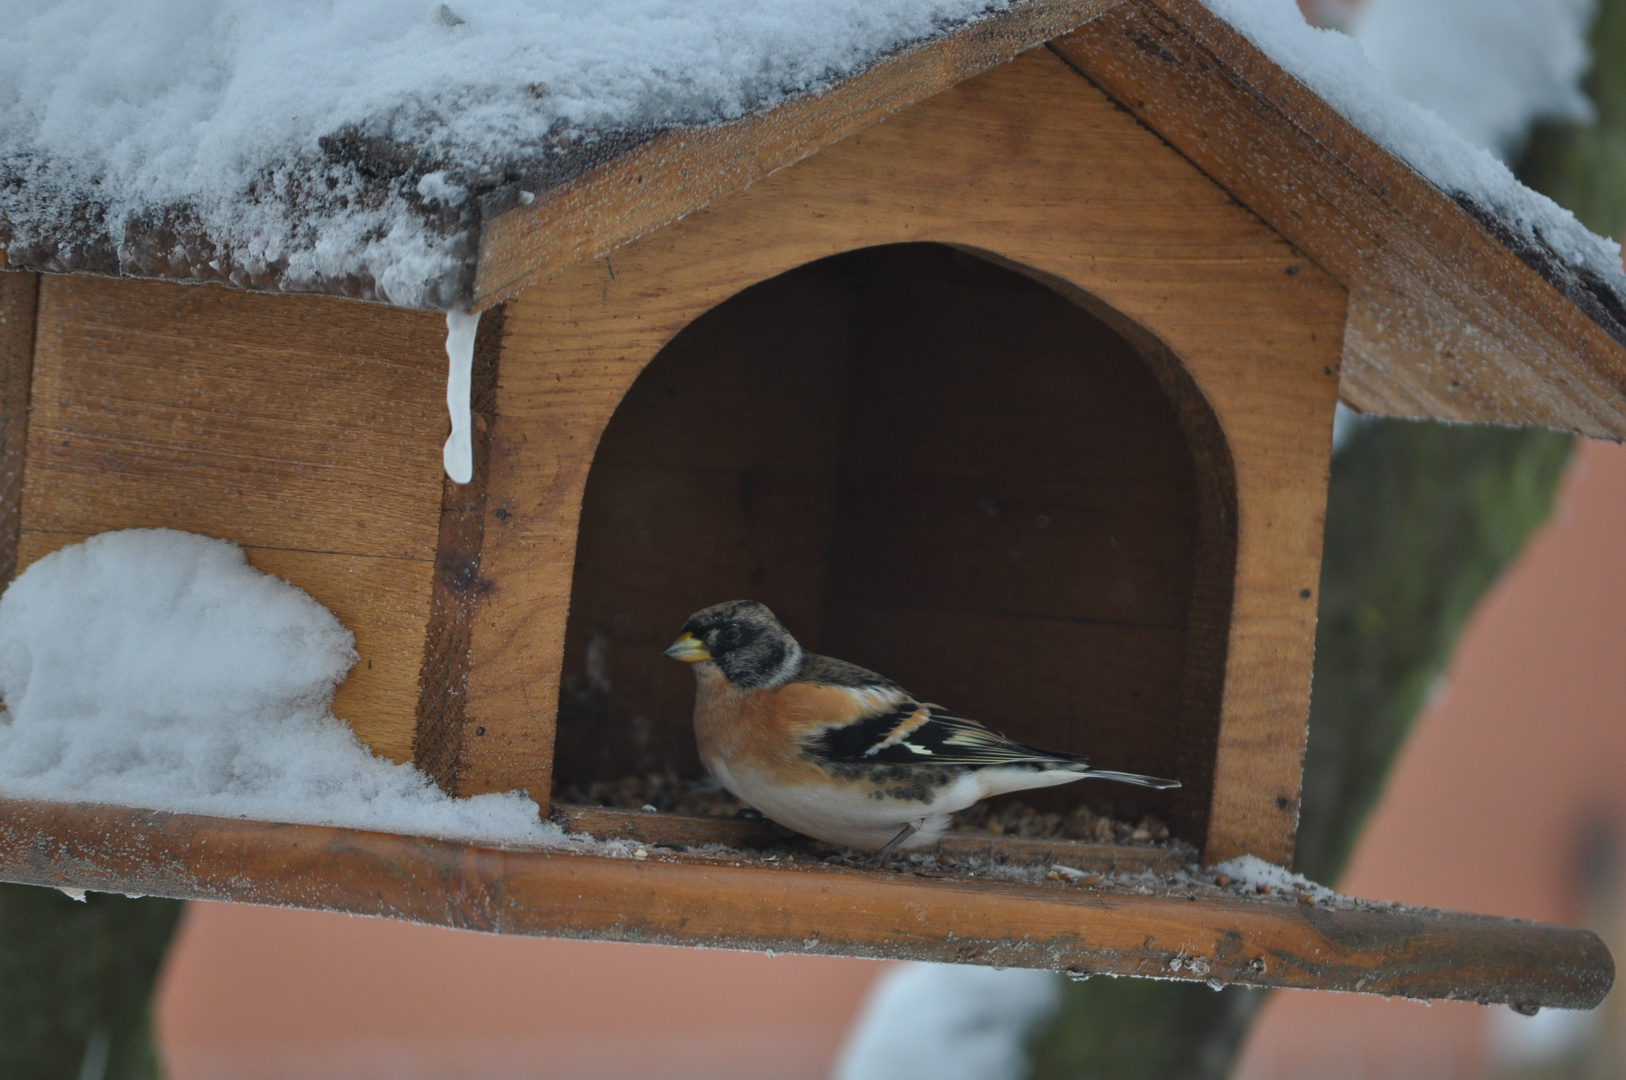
{"x": 1194, "y": 933}
{"x": 683, "y": 832}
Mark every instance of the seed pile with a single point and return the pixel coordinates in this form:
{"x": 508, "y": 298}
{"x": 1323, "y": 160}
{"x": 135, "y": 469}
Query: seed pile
{"x": 1081, "y": 823}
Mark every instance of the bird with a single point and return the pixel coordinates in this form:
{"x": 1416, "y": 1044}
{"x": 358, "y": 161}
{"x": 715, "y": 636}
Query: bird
{"x": 835, "y": 751}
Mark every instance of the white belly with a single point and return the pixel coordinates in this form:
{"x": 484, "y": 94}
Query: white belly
{"x": 846, "y": 815}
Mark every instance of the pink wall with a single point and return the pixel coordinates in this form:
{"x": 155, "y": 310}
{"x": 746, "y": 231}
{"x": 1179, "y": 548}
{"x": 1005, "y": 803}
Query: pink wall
{"x": 261, "y": 993}
{"x": 1527, "y": 739}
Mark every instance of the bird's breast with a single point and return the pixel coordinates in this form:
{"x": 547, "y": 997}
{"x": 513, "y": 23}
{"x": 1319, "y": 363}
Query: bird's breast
{"x": 757, "y": 730}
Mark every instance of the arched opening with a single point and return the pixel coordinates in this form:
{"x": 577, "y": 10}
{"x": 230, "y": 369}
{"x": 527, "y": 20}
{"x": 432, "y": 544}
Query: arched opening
{"x": 928, "y": 464}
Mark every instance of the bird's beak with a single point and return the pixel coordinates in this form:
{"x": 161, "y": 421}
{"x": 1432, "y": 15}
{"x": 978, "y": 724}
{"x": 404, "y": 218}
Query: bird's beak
{"x": 689, "y": 649}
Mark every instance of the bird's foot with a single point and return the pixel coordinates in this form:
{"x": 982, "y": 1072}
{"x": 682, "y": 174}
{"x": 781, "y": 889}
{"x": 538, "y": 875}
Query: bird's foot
{"x": 892, "y": 845}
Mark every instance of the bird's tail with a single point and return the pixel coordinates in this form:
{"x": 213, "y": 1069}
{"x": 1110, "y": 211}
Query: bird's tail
{"x": 1130, "y": 778}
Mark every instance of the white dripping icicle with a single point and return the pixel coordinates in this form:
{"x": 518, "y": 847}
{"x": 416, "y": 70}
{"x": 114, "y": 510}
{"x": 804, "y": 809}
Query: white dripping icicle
{"x": 458, "y": 454}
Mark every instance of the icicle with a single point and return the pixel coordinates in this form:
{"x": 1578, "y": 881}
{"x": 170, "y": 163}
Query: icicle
{"x": 458, "y": 455}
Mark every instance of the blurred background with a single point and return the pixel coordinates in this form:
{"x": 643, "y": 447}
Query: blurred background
{"x": 1470, "y": 694}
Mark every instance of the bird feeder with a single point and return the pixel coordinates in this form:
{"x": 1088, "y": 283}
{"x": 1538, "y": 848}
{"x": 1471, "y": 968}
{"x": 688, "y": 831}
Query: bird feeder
{"x": 1023, "y": 396}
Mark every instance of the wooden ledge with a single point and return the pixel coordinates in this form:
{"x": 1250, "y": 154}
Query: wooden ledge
{"x": 1192, "y": 932}
{"x": 683, "y": 831}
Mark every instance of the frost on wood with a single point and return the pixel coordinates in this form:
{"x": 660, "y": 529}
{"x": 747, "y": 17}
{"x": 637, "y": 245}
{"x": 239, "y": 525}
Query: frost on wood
{"x": 355, "y": 146}
{"x": 458, "y": 454}
{"x": 157, "y": 669}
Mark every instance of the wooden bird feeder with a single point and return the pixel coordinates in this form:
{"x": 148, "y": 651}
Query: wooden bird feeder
{"x": 1023, "y": 396}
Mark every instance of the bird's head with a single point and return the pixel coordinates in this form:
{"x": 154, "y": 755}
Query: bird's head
{"x": 743, "y": 639}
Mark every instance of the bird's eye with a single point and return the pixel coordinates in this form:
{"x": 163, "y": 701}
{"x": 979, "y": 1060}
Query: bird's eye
{"x": 730, "y": 637}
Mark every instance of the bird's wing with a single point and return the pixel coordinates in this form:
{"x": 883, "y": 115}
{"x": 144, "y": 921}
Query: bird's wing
{"x": 893, "y": 727}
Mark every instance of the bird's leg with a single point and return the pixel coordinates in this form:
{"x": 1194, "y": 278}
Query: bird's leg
{"x": 903, "y": 834}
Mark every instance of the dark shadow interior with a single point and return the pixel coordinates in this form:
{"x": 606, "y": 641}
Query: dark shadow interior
{"x": 925, "y": 463}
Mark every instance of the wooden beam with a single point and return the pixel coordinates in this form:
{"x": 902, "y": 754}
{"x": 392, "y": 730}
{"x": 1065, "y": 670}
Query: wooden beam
{"x": 1186, "y": 931}
{"x": 684, "y": 831}
{"x": 442, "y": 745}
{"x": 681, "y": 170}
{"x": 1445, "y": 320}
{"x": 306, "y": 429}
{"x": 19, "y": 303}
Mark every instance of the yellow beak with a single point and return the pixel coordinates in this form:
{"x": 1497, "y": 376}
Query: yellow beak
{"x": 689, "y": 649}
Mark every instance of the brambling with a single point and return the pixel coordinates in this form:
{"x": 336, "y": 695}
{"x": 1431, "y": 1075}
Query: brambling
{"x": 840, "y": 753}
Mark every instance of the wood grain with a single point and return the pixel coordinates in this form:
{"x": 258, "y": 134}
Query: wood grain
{"x": 458, "y": 588}
{"x": 681, "y": 170}
{"x": 1190, "y": 932}
{"x": 384, "y": 602}
{"x": 19, "y": 300}
{"x": 274, "y": 421}
{"x": 1444, "y": 320}
{"x": 1016, "y": 519}
{"x": 308, "y": 430}
{"x": 1030, "y": 166}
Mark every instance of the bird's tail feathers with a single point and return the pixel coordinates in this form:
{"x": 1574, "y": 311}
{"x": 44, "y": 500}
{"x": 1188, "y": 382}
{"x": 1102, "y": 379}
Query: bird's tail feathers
{"x": 1130, "y": 778}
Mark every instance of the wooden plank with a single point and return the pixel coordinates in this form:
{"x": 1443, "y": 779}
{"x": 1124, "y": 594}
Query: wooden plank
{"x": 439, "y": 737}
{"x": 1188, "y": 932}
{"x": 1005, "y": 448}
{"x": 1444, "y": 319}
{"x": 681, "y": 170}
{"x": 308, "y": 430}
{"x": 682, "y": 832}
{"x": 286, "y": 422}
{"x": 1030, "y": 166}
{"x": 19, "y": 300}
{"x": 1109, "y": 692}
{"x": 384, "y": 602}
{"x": 1016, "y": 520}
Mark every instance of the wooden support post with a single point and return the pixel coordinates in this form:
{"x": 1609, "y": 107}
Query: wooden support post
{"x": 440, "y": 743}
{"x": 19, "y": 304}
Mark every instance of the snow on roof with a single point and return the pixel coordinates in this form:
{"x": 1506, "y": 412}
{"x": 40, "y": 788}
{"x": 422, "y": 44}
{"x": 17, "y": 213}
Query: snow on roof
{"x": 1334, "y": 66}
{"x": 356, "y": 146}
{"x": 309, "y": 143}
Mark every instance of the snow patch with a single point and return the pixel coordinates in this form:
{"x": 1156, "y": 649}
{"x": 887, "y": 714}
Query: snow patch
{"x": 158, "y": 669}
{"x": 1333, "y": 65}
{"x": 327, "y": 141}
{"x": 948, "y": 1022}
{"x": 1251, "y": 870}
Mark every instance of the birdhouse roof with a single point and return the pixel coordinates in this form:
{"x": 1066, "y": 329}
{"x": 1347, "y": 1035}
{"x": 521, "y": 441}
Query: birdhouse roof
{"x": 453, "y": 157}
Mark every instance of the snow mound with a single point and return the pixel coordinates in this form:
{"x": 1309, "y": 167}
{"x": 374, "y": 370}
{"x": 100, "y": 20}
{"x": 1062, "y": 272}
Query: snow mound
{"x": 948, "y": 1022}
{"x": 158, "y": 669}
{"x": 1252, "y": 870}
